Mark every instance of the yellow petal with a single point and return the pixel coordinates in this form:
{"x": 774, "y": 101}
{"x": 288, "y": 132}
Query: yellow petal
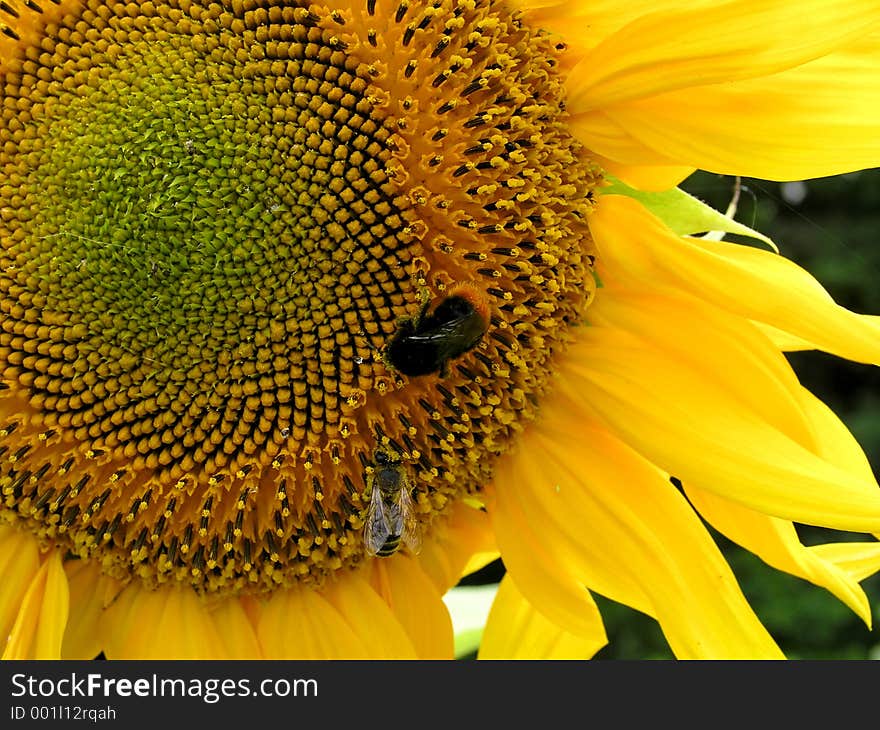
{"x": 683, "y": 328}
{"x": 646, "y": 177}
{"x": 713, "y": 44}
{"x": 299, "y": 623}
{"x": 417, "y": 604}
{"x": 370, "y": 618}
{"x": 614, "y": 523}
{"x": 857, "y": 559}
{"x": 834, "y": 441}
{"x": 754, "y": 283}
{"x": 585, "y": 24}
{"x": 479, "y": 561}
{"x": 169, "y": 623}
{"x": 687, "y": 416}
{"x": 783, "y": 341}
{"x": 776, "y": 543}
{"x": 815, "y": 120}
{"x": 455, "y": 545}
{"x": 19, "y": 564}
{"x": 237, "y": 633}
{"x": 547, "y": 565}
{"x": 90, "y": 593}
{"x": 517, "y": 630}
{"x": 39, "y": 627}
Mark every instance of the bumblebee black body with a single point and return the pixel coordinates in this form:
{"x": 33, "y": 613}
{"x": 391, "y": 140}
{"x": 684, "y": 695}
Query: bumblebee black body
{"x": 426, "y": 343}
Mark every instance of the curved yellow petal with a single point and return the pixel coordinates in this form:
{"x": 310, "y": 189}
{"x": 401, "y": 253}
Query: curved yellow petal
{"x": 646, "y": 177}
{"x": 757, "y": 284}
{"x": 90, "y": 593}
{"x": 417, "y": 604}
{"x": 783, "y": 341}
{"x": 237, "y": 633}
{"x": 370, "y": 618}
{"x": 708, "y": 341}
{"x": 39, "y": 627}
{"x": 517, "y": 630}
{"x": 479, "y": 561}
{"x": 834, "y": 441}
{"x": 857, "y": 559}
{"x": 713, "y": 44}
{"x": 815, "y": 120}
{"x": 19, "y": 564}
{"x": 776, "y": 542}
{"x": 585, "y": 24}
{"x": 457, "y": 546}
{"x": 623, "y": 531}
{"x": 168, "y": 623}
{"x": 299, "y": 623}
{"x": 547, "y": 564}
{"x": 685, "y": 416}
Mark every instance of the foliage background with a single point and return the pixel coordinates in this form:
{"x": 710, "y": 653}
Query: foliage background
{"x": 830, "y": 227}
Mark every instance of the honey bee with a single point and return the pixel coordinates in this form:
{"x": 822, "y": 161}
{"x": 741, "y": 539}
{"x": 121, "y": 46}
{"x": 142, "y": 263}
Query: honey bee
{"x": 391, "y": 518}
{"x": 437, "y": 334}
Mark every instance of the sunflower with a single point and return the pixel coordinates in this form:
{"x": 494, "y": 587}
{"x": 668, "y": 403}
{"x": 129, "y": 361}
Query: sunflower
{"x": 291, "y": 290}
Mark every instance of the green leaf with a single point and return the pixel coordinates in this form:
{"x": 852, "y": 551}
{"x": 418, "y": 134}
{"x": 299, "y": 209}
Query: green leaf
{"x": 685, "y": 214}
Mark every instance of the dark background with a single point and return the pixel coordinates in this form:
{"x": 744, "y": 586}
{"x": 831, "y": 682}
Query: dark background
{"x": 830, "y": 227}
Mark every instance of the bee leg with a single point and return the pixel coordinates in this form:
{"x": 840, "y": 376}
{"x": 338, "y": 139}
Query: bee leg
{"x": 425, "y": 299}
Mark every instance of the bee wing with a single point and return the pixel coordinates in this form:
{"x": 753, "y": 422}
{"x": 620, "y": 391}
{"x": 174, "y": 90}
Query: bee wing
{"x": 412, "y": 535}
{"x": 437, "y": 333}
{"x": 452, "y": 338}
{"x": 378, "y": 526}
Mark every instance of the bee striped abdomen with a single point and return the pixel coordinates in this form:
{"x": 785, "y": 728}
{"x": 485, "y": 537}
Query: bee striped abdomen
{"x": 389, "y": 547}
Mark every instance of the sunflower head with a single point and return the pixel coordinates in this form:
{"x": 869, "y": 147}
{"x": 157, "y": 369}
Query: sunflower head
{"x": 216, "y": 217}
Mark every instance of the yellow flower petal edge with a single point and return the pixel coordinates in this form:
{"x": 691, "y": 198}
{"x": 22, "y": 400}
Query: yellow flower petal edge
{"x": 19, "y": 564}
{"x": 417, "y": 604}
{"x": 688, "y": 417}
{"x": 713, "y": 44}
{"x": 371, "y": 618}
{"x": 585, "y": 493}
{"x": 460, "y": 545}
{"x": 236, "y": 629}
{"x": 39, "y": 627}
{"x": 634, "y": 318}
{"x": 815, "y": 120}
{"x": 837, "y": 444}
{"x": 396, "y": 612}
{"x": 658, "y": 177}
{"x": 857, "y": 559}
{"x": 586, "y": 23}
{"x": 302, "y": 624}
{"x": 741, "y": 99}
{"x": 479, "y": 561}
{"x": 517, "y": 630}
{"x": 754, "y": 283}
{"x": 170, "y": 623}
{"x": 776, "y": 543}
{"x": 90, "y": 593}
{"x": 548, "y": 571}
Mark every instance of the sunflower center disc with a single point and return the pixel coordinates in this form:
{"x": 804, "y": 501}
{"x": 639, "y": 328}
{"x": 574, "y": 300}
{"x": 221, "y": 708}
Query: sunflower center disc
{"x": 213, "y": 219}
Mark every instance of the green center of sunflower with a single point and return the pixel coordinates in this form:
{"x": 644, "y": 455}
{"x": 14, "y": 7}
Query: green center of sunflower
{"x": 214, "y": 219}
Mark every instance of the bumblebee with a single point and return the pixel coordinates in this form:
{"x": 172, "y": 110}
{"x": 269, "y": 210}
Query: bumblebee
{"x": 391, "y": 517}
{"x": 439, "y": 333}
